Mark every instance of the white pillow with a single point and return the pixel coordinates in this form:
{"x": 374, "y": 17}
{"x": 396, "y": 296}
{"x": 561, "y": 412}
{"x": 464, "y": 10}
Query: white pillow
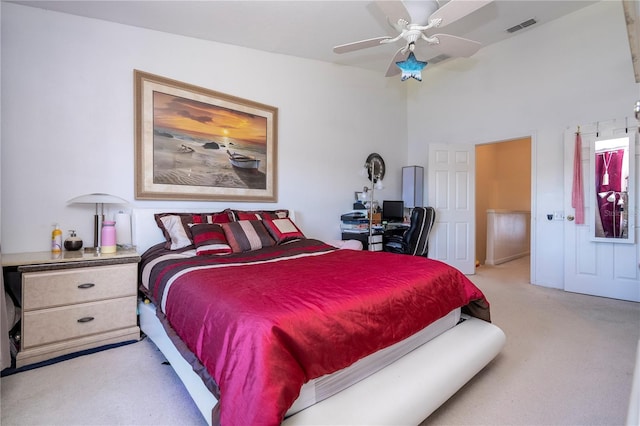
{"x": 177, "y": 232}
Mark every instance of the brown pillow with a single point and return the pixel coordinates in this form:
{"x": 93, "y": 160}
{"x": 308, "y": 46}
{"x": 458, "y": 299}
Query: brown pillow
{"x": 247, "y": 235}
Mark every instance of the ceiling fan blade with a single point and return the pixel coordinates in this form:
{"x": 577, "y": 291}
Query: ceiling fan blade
{"x": 393, "y": 68}
{"x": 357, "y": 45}
{"x": 455, "y": 46}
{"x": 457, "y": 9}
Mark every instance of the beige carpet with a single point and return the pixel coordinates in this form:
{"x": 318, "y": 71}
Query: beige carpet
{"x": 568, "y": 360}
{"x": 128, "y": 385}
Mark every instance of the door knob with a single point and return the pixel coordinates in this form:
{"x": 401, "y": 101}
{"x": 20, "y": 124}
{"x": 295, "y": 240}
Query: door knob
{"x": 570, "y": 218}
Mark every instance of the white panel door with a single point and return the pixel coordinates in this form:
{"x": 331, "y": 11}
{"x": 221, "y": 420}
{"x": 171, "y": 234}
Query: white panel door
{"x": 451, "y": 191}
{"x": 598, "y": 268}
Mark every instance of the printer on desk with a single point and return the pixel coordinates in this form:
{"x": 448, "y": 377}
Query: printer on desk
{"x": 355, "y": 222}
{"x": 357, "y": 215}
{"x": 355, "y": 226}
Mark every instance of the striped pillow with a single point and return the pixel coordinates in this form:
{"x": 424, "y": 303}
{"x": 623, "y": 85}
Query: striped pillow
{"x": 282, "y": 230}
{"x": 247, "y": 235}
{"x": 209, "y": 239}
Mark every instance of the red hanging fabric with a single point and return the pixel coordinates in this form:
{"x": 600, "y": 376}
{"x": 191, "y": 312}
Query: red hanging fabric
{"x": 577, "y": 193}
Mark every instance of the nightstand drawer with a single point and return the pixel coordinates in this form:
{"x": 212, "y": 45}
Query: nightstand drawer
{"x": 63, "y": 287}
{"x": 69, "y": 322}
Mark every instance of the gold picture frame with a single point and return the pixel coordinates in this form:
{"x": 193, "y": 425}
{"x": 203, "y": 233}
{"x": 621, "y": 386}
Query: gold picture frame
{"x": 193, "y": 143}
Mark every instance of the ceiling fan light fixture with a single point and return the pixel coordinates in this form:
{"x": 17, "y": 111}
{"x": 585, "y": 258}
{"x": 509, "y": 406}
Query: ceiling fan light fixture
{"x": 412, "y": 20}
{"x": 420, "y": 11}
{"x": 411, "y": 67}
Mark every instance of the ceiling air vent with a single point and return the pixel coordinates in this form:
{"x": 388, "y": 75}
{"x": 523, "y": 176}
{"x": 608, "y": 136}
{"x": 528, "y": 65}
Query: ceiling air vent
{"x": 521, "y": 25}
{"x": 438, "y": 58}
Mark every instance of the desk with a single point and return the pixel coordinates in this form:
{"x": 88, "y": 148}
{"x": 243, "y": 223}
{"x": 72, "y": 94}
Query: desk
{"x": 363, "y": 237}
{"x": 385, "y": 234}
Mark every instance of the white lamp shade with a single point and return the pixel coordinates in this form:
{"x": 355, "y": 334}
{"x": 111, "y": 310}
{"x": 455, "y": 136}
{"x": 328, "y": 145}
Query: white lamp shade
{"x": 97, "y": 198}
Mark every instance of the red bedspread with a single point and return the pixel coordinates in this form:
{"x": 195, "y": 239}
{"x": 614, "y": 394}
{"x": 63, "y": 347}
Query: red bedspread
{"x": 263, "y": 325}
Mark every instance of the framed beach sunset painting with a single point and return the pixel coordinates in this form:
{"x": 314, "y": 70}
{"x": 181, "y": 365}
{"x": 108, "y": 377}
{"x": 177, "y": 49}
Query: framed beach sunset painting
{"x": 194, "y": 143}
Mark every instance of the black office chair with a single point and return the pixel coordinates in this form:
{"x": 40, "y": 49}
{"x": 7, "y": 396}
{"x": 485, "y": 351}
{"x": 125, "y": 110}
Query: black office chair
{"x": 415, "y": 241}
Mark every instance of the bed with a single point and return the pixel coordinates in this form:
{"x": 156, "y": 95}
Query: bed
{"x": 324, "y": 335}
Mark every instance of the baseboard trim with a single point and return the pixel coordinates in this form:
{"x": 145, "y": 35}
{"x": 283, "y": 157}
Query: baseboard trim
{"x": 14, "y": 370}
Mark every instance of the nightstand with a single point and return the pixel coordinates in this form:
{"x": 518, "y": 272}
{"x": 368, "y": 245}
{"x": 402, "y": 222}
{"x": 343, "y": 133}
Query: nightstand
{"x": 75, "y": 301}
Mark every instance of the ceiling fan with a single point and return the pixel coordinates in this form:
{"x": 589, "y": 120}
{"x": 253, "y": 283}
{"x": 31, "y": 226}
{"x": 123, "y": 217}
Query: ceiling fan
{"x": 412, "y": 19}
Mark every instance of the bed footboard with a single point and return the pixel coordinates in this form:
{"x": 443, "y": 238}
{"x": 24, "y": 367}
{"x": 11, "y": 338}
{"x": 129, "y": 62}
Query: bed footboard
{"x": 405, "y": 392}
{"x": 410, "y": 389}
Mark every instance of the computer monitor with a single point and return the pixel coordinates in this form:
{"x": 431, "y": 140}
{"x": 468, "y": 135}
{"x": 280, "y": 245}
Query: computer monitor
{"x": 393, "y": 211}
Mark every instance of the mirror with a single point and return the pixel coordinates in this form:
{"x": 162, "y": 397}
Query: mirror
{"x": 375, "y": 164}
{"x": 612, "y": 176}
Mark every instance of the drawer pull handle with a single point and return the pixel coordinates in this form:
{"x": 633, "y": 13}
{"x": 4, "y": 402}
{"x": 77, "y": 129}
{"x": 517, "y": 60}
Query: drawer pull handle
{"x": 86, "y": 285}
{"x": 85, "y": 319}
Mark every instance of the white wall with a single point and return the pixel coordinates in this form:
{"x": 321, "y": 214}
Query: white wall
{"x": 67, "y": 115}
{"x": 68, "y": 130}
{"x": 574, "y": 70}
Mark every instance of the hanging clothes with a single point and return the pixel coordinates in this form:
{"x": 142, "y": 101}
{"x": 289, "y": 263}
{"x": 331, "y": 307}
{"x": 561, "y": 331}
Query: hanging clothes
{"x": 608, "y": 185}
{"x": 577, "y": 191}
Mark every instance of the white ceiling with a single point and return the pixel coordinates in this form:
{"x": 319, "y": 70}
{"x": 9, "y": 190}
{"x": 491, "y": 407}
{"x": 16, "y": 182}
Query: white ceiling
{"x": 307, "y": 29}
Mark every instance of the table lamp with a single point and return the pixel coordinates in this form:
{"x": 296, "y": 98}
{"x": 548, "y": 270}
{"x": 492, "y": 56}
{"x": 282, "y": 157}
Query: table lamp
{"x": 99, "y": 199}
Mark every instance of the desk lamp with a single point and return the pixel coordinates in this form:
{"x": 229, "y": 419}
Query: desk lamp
{"x": 100, "y": 200}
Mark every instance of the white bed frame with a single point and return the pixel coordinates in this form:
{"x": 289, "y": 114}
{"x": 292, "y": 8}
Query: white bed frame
{"x": 405, "y": 392}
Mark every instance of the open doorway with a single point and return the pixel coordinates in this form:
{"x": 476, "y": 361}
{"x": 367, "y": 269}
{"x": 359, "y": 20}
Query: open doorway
{"x": 503, "y": 185}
